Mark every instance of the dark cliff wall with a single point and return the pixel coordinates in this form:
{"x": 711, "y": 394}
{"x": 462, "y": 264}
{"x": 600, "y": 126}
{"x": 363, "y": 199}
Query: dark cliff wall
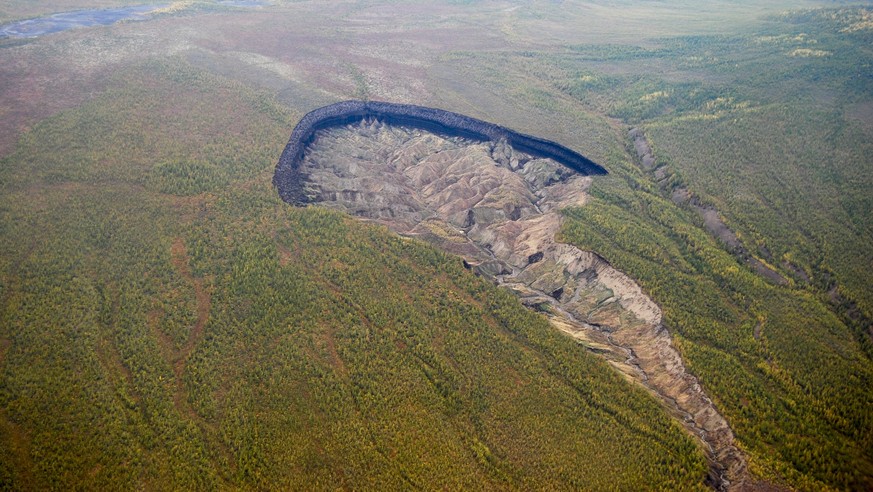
{"x": 289, "y": 183}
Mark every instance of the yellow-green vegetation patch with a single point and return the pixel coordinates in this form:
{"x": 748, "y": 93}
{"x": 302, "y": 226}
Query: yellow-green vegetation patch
{"x": 179, "y": 177}
{"x": 444, "y": 230}
{"x": 807, "y": 53}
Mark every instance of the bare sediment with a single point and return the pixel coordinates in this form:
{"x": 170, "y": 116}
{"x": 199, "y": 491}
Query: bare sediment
{"x": 434, "y": 120}
{"x": 498, "y": 208}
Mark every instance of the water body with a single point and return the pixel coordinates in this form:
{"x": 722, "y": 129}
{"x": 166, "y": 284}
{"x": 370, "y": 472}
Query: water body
{"x": 32, "y": 28}
{"x": 63, "y": 21}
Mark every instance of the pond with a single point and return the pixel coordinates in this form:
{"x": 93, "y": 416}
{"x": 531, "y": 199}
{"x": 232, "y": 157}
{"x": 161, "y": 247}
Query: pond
{"x": 31, "y": 28}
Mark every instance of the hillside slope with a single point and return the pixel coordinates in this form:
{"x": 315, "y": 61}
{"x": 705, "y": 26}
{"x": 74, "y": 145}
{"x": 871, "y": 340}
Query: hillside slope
{"x": 137, "y": 219}
{"x": 157, "y": 335}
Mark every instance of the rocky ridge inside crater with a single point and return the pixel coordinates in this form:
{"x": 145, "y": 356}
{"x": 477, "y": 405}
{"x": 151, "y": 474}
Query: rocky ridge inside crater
{"x": 499, "y": 210}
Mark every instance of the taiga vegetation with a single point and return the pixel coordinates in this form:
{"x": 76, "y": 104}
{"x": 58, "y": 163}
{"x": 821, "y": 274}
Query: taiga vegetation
{"x": 188, "y": 329}
{"x": 167, "y": 322}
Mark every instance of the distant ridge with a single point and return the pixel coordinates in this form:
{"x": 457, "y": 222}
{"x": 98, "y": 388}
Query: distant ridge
{"x": 430, "y": 119}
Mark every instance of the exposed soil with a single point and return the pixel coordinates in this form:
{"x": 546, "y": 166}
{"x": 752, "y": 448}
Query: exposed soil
{"x": 446, "y": 123}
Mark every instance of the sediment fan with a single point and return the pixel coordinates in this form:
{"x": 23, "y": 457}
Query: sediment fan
{"x": 430, "y": 119}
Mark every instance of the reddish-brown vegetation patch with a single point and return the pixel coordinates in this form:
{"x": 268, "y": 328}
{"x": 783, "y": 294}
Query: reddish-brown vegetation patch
{"x": 19, "y": 446}
{"x": 5, "y": 343}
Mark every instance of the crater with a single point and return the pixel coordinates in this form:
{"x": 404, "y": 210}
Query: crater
{"x": 478, "y": 191}
{"x": 437, "y": 121}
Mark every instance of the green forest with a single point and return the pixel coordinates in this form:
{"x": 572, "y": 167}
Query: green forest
{"x": 789, "y": 171}
{"x": 164, "y": 330}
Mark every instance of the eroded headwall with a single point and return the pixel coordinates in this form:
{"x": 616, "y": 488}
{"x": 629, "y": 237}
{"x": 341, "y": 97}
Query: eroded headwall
{"x": 289, "y": 184}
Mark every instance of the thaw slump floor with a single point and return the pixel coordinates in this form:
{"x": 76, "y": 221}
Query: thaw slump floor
{"x": 499, "y": 209}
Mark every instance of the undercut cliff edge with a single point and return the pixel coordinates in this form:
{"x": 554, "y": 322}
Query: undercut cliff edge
{"x": 493, "y": 196}
{"x": 433, "y": 120}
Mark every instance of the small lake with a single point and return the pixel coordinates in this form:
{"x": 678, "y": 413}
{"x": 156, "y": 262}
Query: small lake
{"x": 32, "y": 28}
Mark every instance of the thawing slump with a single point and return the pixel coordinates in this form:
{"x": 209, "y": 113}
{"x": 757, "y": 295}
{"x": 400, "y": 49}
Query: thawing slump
{"x": 433, "y": 120}
{"x": 493, "y": 197}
